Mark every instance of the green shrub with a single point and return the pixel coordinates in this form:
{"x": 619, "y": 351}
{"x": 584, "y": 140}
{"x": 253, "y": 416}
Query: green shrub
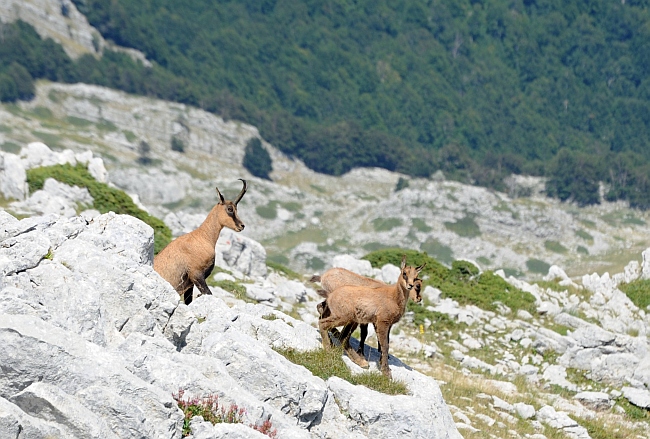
{"x": 257, "y": 159}
{"x": 462, "y": 282}
{"x": 177, "y": 144}
{"x": 105, "y": 198}
{"x": 554, "y": 246}
{"x": 537, "y": 266}
{"x": 325, "y": 363}
{"x": 638, "y": 292}
{"x": 465, "y": 227}
{"x": 402, "y": 183}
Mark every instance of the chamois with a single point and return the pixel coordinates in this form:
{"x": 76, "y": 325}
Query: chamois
{"x": 382, "y": 306}
{"x": 334, "y": 278}
{"x": 189, "y": 259}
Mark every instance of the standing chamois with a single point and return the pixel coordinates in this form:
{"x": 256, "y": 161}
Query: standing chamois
{"x": 336, "y": 277}
{"x": 382, "y": 306}
{"x": 189, "y": 259}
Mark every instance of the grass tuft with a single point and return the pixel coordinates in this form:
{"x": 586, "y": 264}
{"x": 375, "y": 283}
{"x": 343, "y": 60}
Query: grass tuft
{"x": 638, "y": 292}
{"x": 325, "y": 363}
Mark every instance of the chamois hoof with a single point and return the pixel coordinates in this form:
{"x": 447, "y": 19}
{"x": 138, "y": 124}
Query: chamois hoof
{"x": 357, "y": 359}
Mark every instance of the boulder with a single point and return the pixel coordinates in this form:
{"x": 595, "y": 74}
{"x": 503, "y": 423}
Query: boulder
{"x": 238, "y": 252}
{"x": 351, "y": 263}
{"x": 13, "y": 178}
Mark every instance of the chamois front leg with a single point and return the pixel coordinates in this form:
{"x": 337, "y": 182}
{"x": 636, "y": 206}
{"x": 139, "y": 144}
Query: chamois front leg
{"x": 382, "y": 337}
{"x": 198, "y": 279}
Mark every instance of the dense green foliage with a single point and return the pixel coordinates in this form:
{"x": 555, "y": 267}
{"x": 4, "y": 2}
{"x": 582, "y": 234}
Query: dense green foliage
{"x": 325, "y": 363}
{"x": 462, "y": 282}
{"x": 638, "y": 292}
{"x": 105, "y": 198}
{"x": 257, "y": 159}
{"x": 477, "y": 89}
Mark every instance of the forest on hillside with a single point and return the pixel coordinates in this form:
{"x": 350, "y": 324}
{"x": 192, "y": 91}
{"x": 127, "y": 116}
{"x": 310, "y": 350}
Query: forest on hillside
{"x": 477, "y": 89}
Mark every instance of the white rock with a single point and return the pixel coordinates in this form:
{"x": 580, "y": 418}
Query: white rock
{"x": 555, "y": 272}
{"x": 595, "y": 400}
{"x": 638, "y": 397}
{"x": 238, "y": 252}
{"x": 13, "y": 178}
{"x": 390, "y": 273}
{"x": 525, "y": 411}
{"x": 349, "y": 262}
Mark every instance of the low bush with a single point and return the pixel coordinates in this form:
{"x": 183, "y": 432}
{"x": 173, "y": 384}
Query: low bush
{"x": 462, "y": 282}
{"x": 105, "y": 198}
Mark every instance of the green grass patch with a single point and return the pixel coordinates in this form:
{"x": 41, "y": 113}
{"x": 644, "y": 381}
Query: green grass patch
{"x": 270, "y": 317}
{"x": 325, "y": 363}
{"x": 420, "y": 225}
{"x": 462, "y": 282}
{"x": 105, "y": 198}
{"x": 42, "y": 113}
{"x": 5, "y": 128}
{"x": 631, "y": 219}
{"x": 270, "y": 211}
{"x": 374, "y": 246}
{"x": 10, "y": 147}
{"x": 315, "y": 263}
{"x": 554, "y": 246}
{"x": 633, "y": 412}
{"x": 106, "y": 125}
{"x": 78, "y": 121}
{"x": 276, "y": 259}
{"x": 638, "y": 292}
{"x": 386, "y": 224}
{"x": 584, "y": 235}
{"x": 236, "y": 289}
{"x": 537, "y": 266}
{"x": 465, "y": 227}
{"x": 582, "y": 250}
{"x": 130, "y": 136}
{"x": 438, "y": 250}
{"x": 280, "y": 268}
{"x": 51, "y": 140}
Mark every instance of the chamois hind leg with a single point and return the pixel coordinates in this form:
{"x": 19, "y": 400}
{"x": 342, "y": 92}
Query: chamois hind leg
{"x": 382, "y": 336}
{"x": 362, "y": 339}
{"x": 359, "y": 360}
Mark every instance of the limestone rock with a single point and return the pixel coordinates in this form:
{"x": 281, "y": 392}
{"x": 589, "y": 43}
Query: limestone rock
{"x": 13, "y": 179}
{"x": 351, "y": 263}
{"x": 595, "y": 400}
{"x": 638, "y": 397}
{"x": 238, "y": 252}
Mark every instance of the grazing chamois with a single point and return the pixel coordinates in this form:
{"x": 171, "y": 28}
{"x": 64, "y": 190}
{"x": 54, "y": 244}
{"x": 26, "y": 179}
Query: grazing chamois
{"x": 334, "y": 278}
{"x": 382, "y": 306}
{"x": 189, "y": 259}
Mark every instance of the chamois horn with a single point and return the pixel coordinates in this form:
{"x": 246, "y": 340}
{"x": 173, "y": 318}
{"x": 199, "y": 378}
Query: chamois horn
{"x": 241, "y": 194}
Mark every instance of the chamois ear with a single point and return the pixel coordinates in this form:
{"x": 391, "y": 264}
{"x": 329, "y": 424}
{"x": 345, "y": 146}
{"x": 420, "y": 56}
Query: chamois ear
{"x": 419, "y": 269}
{"x": 223, "y": 201}
{"x": 403, "y": 264}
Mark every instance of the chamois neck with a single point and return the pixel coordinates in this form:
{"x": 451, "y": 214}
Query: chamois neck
{"x": 402, "y": 295}
{"x": 211, "y": 227}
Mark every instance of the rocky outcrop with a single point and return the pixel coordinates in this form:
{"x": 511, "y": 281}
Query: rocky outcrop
{"x": 95, "y": 343}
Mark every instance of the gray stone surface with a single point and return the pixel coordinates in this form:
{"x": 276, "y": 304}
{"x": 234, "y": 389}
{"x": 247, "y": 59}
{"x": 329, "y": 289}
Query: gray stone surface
{"x": 13, "y": 179}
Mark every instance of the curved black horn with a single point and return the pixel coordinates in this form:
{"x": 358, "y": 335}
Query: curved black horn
{"x": 220, "y": 196}
{"x": 243, "y": 191}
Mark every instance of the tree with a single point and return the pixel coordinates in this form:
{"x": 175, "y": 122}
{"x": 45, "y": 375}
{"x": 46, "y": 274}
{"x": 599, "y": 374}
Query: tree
{"x": 257, "y": 159}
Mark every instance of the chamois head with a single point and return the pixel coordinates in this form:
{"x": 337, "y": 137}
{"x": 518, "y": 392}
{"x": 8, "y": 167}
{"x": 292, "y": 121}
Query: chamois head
{"x": 409, "y": 274}
{"x": 416, "y": 293}
{"x": 227, "y": 210}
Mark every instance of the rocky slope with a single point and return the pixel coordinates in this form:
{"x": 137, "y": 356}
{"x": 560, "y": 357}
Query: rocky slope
{"x": 95, "y": 343}
{"x": 79, "y": 295}
{"x": 305, "y": 219}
